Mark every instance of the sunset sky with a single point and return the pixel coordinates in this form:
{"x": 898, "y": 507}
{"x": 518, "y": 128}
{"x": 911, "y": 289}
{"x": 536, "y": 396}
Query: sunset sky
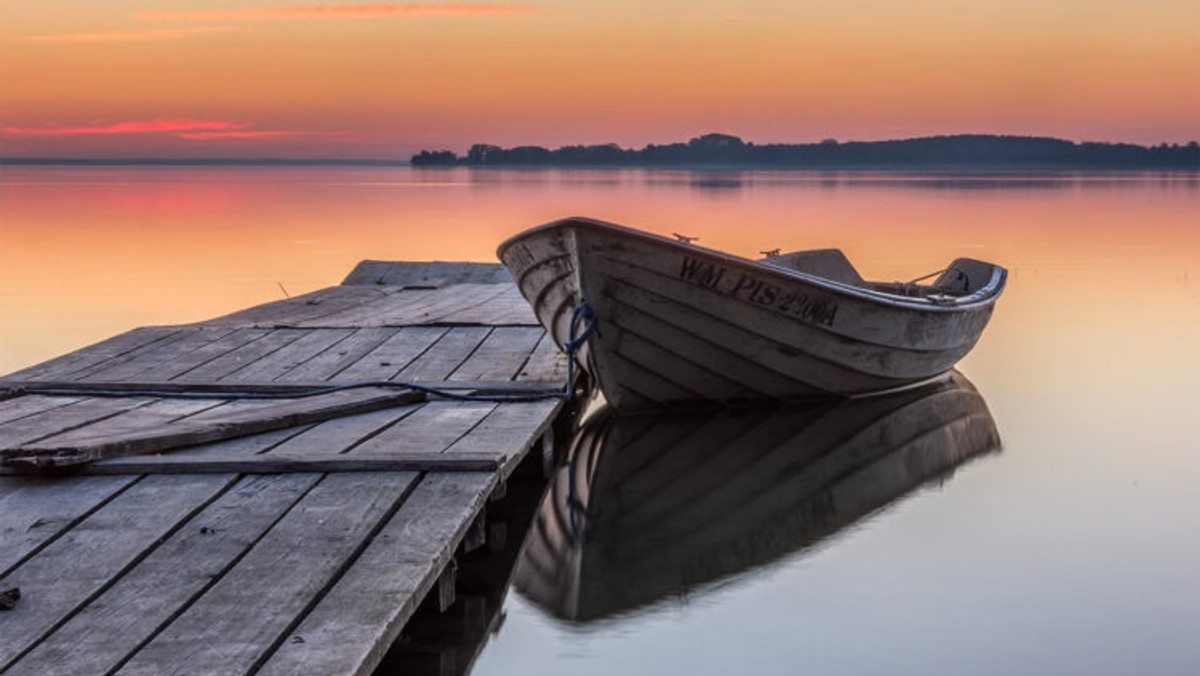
{"x": 235, "y": 78}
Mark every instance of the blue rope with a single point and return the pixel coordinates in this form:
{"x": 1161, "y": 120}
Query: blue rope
{"x": 575, "y": 339}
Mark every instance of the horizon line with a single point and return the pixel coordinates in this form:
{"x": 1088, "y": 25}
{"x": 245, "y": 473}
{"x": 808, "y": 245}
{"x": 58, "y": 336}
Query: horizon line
{"x": 215, "y": 160}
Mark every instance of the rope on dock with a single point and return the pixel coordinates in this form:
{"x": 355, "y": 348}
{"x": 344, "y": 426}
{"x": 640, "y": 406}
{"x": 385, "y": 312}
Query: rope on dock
{"x": 500, "y": 397}
{"x": 584, "y": 324}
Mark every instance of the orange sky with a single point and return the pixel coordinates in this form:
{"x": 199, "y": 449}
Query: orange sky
{"x": 382, "y": 80}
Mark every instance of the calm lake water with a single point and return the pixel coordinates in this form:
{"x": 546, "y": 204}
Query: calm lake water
{"x": 1073, "y": 549}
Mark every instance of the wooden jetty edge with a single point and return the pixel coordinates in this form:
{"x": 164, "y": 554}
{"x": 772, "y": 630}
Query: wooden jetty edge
{"x": 217, "y": 534}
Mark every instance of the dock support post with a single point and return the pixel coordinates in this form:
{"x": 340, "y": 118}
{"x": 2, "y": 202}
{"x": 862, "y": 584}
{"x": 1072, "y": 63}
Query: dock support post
{"x": 445, "y": 585}
{"x": 476, "y": 536}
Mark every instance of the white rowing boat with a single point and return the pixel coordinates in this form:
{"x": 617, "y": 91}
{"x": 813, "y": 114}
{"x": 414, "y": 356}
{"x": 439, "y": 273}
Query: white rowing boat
{"x": 679, "y": 324}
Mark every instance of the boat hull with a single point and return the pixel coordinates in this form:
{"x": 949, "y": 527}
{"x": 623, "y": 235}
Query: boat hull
{"x": 681, "y": 325}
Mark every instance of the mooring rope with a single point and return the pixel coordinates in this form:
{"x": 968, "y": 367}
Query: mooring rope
{"x": 924, "y": 277}
{"x": 576, "y": 340}
{"x": 961, "y": 276}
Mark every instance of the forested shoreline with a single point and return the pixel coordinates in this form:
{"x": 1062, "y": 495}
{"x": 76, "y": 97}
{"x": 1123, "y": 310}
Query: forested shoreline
{"x": 935, "y": 151}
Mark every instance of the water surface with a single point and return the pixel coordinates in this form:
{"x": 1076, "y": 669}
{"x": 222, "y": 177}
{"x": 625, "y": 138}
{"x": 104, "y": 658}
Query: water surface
{"x": 1073, "y": 550}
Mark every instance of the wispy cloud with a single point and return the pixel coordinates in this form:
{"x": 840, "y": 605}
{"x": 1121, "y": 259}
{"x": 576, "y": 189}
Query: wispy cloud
{"x": 332, "y": 12}
{"x": 129, "y": 36}
{"x": 134, "y": 127}
{"x": 192, "y": 130}
{"x": 221, "y": 135}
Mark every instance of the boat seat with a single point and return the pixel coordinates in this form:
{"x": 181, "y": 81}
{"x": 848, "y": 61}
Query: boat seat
{"x": 830, "y": 264}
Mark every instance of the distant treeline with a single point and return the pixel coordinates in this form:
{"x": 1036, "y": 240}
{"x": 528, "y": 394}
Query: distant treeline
{"x": 936, "y": 151}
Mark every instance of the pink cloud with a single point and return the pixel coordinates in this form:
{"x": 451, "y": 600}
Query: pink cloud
{"x": 219, "y": 135}
{"x": 128, "y": 36}
{"x": 332, "y": 12}
{"x": 134, "y": 127}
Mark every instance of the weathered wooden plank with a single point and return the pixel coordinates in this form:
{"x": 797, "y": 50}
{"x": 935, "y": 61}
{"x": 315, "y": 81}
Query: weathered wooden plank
{"x": 456, "y": 299}
{"x": 368, "y": 272}
{"x": 387, "y": 306}
{"x": 290, "y": 311}
{"x": 352, "y": 627}
{"x": 238, "y": 358}
{"x": 498, "y": 439}
{"x": 430, "y": 429}
{"x": 501, "y": 355}
{"x": 35, "y": 510}
{"x": 201, "y": 355}
{"x": 451, "y": 350}
{"x": 105, "y": 631}
{"x": 242, "y": 618}
{"x": 373, "y": 307}
{"x": 26, "y": 405}
{"x": 157, "y": 354}
{"x": 154, "y": 415}
{"x": 508, "y": 431}
{"x": 394, "y": 354}
{"x": 529, "y": 387}
{"x": 339, "y": 435}
{"x": 60, "y": 367}
{"x": 508, "y": 307}
{"x": 63, "y": 418}
{"x": 279, "y": 463}
{"x": 244, "y": 409}
{"x": 432, "y": 273}
{"x": 339, "y": 357}
{"x": 75, "y": 567}
{"x": 509, "y": 312}
{"x": 406, "y": 307}
{"x": 413, "y": 307}
{"x": 546, "y": 362}
{"x": 354, "y": 301}
{"x": 297, "y": 352}
{"x": 190, "y": 432}
{"x": 241, "y": 447}
{"x": 179, "y": 334}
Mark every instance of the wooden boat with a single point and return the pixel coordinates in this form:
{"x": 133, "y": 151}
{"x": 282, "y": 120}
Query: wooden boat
{"x": 652, "y": 508}
{"x": 680, "y": 324}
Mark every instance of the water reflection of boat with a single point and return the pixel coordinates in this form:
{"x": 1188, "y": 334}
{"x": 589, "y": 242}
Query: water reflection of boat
{"x": 680, "y": 324}
{"x": 649, "y": 508}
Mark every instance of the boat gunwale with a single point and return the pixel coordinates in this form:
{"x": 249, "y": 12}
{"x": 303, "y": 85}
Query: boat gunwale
{"x": 982, "y": 297}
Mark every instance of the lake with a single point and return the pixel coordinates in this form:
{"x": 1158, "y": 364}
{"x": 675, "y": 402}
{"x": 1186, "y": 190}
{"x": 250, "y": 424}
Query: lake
{"x": 1073, "y": 548}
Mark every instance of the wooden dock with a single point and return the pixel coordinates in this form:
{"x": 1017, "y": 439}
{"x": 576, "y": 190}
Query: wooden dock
{"x": 234, "y": 536}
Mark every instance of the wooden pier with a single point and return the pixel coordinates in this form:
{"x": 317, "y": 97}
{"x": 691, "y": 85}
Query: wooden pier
{"x": 276, "y": 536}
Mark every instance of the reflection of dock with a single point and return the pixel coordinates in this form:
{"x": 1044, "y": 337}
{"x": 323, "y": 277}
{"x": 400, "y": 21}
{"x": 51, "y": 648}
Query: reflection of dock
{"x": 652, "y": 508}
{"x": 302, "y": 548}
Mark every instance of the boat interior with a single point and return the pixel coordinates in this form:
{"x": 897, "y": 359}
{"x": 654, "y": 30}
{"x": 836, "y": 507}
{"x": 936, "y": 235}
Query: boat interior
{"x": 962, "y": 277}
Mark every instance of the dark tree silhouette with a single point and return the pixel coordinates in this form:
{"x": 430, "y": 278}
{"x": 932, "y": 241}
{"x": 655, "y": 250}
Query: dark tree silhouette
{"x": 434, "y": 158}
{"x": 967, "y": 150}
